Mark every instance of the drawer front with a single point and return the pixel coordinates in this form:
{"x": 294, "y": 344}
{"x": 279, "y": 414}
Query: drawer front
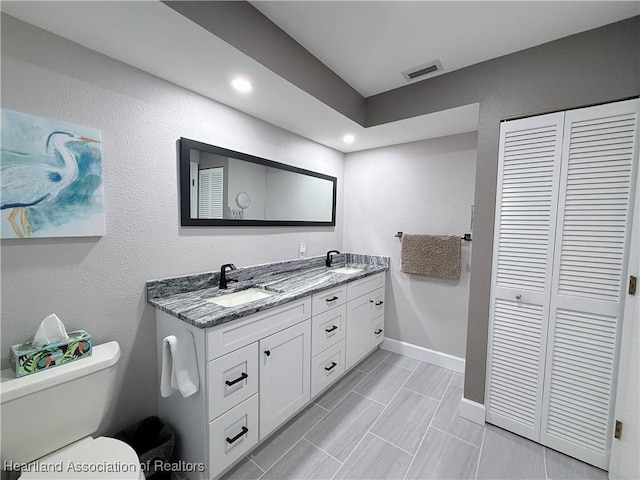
{"x": 365, "y": 285}
{"x": 376, "y": 331}
{"x": 323, "y": 301}
{"x": 327, "y": 329}
{"x": 233, "y": 435}
{"x": 231, "y": 379}
{"x": 327, "y": 367}
{"x": 230, "y": 336}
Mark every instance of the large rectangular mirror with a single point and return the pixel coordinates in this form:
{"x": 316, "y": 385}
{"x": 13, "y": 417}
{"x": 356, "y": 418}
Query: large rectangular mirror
{"x": 225, "y": 187}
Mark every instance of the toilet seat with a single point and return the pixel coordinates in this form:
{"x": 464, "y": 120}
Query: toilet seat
{"x": 89, "y": 458}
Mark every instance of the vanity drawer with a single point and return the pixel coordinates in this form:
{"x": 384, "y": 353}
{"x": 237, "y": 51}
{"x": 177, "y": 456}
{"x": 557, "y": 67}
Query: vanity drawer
{"x": 231, "y": 379}
{"x": 365, "y": 285}
{"x": 327, "y": 367}
{"x": 328, "y": 328}
{"x": 376, "y": 331}
{"x": 323, "y": 301}
{"x": 236, "y": 334}
{"x": 233, "y": 435}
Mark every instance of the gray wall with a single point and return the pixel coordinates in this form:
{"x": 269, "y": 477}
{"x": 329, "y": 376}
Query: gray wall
{"x": 597, "y": 66}
{"x": 418, "y": 187}
{"x": 98, "y": 283}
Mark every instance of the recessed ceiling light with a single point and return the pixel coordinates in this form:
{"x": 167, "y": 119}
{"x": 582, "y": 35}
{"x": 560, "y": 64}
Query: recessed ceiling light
{"x": 348, "y": 138}
{"x": 242, "y": 85}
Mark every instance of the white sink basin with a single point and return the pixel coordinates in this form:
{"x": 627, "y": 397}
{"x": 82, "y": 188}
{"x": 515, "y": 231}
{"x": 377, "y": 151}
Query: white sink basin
{"x": 346, "y": 270}
{"x": 241, "y": 297}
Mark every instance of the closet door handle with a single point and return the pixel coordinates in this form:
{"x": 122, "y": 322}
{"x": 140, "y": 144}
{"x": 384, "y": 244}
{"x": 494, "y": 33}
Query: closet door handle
{"x": 333, "y": 365}
{"x": 239, "y": 379}
{"x": 329, "y": 330}
{"x": 333, "y": 299}
{"x": 244, "y": 431}
{"x": 378, "y": 332}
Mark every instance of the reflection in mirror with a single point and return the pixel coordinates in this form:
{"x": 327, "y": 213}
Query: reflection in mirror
{"x": 224, "y": 187}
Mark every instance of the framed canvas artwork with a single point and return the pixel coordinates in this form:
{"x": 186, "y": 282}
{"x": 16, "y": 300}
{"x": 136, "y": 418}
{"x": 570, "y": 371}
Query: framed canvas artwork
{"x": 50, "y": 178}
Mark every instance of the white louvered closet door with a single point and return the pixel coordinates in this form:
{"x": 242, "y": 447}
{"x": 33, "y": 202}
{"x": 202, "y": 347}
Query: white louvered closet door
{"x": 589, "y": 280}
{"x": 211, "y": 191}
{"x": 530, "y": 153}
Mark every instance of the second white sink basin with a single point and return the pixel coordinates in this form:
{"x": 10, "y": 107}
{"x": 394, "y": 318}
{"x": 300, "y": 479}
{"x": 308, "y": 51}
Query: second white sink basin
{"x": 241, "y": 297}
{"x": 346, "y": 270}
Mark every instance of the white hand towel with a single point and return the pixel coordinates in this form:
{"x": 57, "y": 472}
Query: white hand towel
{"x": 179, "y": 365}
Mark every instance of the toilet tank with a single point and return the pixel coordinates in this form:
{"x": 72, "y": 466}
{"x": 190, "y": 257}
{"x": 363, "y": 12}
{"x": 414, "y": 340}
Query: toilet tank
{"x": 45, "y": 411}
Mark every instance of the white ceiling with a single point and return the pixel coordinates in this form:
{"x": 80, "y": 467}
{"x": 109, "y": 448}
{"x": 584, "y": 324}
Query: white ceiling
{"x": 154, "y": 38}
{"x": 368, "y": 43}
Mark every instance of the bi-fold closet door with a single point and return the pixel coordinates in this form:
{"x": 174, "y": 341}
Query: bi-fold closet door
{"x": 563, "y": 213}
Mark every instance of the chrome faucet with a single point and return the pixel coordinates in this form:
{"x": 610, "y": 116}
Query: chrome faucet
{"x": 223, "y": 275}
{"x": 330, "y": 257}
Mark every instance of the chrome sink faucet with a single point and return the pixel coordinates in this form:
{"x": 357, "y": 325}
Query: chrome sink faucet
{"x": 330, "y": 257}
{"x": 223, "y": 275}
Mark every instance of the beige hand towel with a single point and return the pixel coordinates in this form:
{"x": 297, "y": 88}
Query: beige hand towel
{"x": 431, "y": 255}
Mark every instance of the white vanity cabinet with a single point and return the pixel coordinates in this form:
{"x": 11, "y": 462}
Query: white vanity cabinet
{"x": 365, "y": 317}
{"x": 258, "y": 371}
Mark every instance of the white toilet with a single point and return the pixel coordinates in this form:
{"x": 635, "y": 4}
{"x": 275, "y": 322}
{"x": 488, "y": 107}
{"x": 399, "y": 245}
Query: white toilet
{"x": 47, "y": 419}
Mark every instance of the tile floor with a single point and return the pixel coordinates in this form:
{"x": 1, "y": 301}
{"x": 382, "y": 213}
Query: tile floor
{"x": 393, "y": 417}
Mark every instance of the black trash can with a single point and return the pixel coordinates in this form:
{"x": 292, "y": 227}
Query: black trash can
{"x": 154, "y": 441}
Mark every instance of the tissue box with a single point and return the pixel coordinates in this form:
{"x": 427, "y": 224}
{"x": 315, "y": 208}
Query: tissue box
{"x": 27, "y": 359}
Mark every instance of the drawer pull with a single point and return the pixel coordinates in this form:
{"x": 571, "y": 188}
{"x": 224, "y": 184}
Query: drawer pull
{"x": 244, "y": 431}
{"x": 239, "y": 379}
{"x": 378, "y": 332}
{"x": 329, "y": 330}
{"x": 379, "y": 303}
{"x": 331, "y": 367}
{"x": 332, "y": 299}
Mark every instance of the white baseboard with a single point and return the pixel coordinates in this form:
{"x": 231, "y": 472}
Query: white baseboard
{"x": 424, "y": 354}
{"x": 472, "y": 411}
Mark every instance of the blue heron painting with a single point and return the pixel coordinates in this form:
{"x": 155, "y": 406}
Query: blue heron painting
{"x": 50, "y": 178}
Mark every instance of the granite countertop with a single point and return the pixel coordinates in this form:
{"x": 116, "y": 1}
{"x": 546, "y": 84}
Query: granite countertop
{"x": 186, "y": 297}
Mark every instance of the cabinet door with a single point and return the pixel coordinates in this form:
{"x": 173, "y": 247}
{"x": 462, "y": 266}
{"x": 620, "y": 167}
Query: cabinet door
{"x": 358, "y": 319}
{"x": 285, "y": 370}
{"x": 600, "y": 156}
{"x": 526, "y": 206}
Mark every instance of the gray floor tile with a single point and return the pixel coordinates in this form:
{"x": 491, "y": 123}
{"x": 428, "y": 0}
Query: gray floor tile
{"x": 563, "y": 467}
{"x": 303, "y": 461}
{"x": 375, "y": 459}
{"x": 270, "y": 451}
{"x": 406, "y": 419}
{"x": 458, "y": 380}
{"x": 507, "y": 455}
{"x": 402, "y": 361}
{"x": 430, "y": 380}
{"x": 245, "y": 470}
{"x": 338, "y": 391}
{"x": 449, "y": 420}
{"x": 443, "y": 456}
{"x": 372, "y": 361}
{"x": 383, "y": 383}
{"x": 341, "y": 430}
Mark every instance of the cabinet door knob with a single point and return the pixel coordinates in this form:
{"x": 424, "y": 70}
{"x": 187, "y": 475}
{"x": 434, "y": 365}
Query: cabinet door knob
{"x": 518, "y": 296}
{"x": 267, "y": 352}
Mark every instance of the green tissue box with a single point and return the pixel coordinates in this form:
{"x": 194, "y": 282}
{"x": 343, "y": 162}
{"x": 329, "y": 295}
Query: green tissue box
{"x": 27, "y": 359}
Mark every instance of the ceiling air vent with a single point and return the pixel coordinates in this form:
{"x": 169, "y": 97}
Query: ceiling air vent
{"x": 423, "y": 71}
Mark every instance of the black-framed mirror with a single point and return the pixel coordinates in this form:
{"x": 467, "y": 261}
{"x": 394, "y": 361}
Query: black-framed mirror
{"x": 221, "y": 187}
